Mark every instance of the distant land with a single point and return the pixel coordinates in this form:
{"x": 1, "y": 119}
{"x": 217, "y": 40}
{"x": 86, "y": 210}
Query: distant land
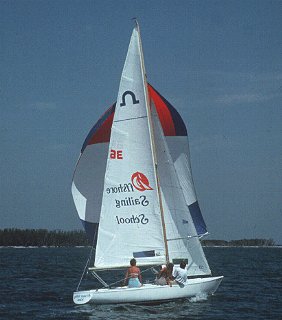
{"x": 59, "y": 238}
{"x": 42, "y": 238}
{"x": 239, "y": 243}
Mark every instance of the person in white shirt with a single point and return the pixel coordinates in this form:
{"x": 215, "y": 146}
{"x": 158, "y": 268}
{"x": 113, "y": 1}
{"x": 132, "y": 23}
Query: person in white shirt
{"x": 179, "y": 274}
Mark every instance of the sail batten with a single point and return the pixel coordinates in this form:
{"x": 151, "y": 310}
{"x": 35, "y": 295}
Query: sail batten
{"x": 128, "y": 119}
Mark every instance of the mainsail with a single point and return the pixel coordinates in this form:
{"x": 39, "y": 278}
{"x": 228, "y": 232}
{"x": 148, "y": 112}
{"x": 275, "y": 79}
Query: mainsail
{"x": 110, "y": 201}
{"x": 130, "y": 215}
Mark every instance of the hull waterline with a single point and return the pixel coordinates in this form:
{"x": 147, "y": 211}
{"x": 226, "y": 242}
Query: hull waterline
{"x": 148, "y": 293}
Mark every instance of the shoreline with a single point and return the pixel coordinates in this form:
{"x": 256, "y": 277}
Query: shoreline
{"x": 58, "y": 247}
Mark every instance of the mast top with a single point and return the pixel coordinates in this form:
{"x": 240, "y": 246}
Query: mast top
{"x": 136, "y": 23}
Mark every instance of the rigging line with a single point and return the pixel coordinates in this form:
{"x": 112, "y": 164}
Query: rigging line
{"x": 131, "y": 119}
{"x": 95, "y": 275}
{"x": 88, "y": 260}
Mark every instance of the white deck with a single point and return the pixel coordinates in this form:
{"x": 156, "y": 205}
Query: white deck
{"x": 148, "y": 292}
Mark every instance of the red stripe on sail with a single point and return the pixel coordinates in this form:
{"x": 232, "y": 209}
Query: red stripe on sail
{"x": 103, "y": 134}
{"x": 163, "y": 112}
{"x": 168, "y": 116}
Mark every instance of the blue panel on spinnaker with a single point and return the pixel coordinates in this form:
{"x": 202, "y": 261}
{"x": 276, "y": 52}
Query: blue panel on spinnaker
{"x": 198, "y": 219}
{"x": 101, "y": 130}
{"x": 144, "y": 254}
{"x": 91, "y": 230}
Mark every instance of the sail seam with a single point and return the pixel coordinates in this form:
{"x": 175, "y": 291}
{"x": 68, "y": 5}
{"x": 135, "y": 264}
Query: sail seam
{"x": 131, "y": 119}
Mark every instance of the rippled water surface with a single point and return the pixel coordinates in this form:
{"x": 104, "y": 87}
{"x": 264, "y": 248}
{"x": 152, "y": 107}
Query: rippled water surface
{"x": 37, "y": 283}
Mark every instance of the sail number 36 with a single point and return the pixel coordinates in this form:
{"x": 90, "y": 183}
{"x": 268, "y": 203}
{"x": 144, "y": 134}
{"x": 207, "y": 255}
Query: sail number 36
{"x": 116, "y": 154}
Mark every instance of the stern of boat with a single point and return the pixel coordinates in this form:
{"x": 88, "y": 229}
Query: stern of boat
{"x": 81, "y": 297}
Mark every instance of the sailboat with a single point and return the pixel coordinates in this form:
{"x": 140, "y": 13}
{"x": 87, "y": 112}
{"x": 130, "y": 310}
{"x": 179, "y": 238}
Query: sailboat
{"x": 134, "y": 192}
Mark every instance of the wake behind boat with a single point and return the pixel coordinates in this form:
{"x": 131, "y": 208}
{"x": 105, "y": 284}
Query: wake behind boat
{"x": 134, "y": 192}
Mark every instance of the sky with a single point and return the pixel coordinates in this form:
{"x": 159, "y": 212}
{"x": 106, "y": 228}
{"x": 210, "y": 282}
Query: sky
{"x": 218, "y": 62}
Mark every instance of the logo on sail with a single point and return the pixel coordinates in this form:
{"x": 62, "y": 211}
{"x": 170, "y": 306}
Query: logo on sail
{"x": 130, "y": 93}
{"x": 140, "y": 181}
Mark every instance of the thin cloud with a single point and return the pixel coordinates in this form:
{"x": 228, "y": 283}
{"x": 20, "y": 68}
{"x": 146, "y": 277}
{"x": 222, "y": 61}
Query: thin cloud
{"x": 210, "y": 142}
{"x": 58, "y": 147}
{"x": 240, "y": 98}
{"x": 224, "y": 88}
{"x": 44, "y": 105}
{"x": 237, "y": 75}
{"x": 244, "y": 87}
{"x": 245, "y": 98}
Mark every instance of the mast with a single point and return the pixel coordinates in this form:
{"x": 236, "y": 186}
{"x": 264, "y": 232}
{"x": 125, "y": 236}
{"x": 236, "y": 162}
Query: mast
{"x": 152, "y": 139}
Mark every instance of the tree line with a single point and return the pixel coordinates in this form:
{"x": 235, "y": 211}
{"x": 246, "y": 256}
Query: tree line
{"x": 59, "y": 238}
{"x": 42, "y": 237}
{"x": 239, "y": 243}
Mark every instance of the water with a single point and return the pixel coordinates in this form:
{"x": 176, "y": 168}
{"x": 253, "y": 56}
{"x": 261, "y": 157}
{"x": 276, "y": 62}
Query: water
{"x": 37, "y": 283}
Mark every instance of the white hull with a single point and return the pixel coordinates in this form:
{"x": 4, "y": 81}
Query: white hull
{"x": 148, "y": 292}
